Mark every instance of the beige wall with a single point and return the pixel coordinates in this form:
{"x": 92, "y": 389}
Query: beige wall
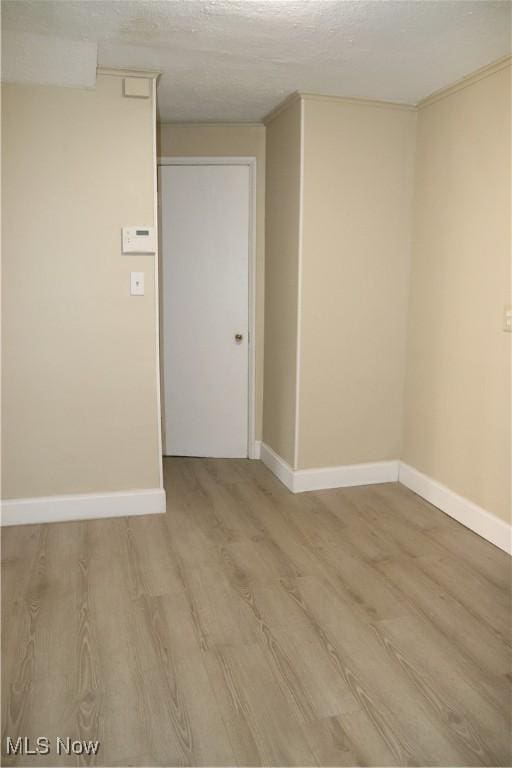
{"x": 457, "y": 414}
{"x": 281, "y": 280}
{"x": 79, "y": 368}
{"x": 358, "y": 176}
{"x": 216, "y": 140}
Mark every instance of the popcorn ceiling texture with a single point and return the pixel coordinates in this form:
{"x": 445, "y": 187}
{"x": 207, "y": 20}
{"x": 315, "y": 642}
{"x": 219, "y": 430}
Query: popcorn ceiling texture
{"x": 236, "y": 60}
{"x": 28, "y": 58}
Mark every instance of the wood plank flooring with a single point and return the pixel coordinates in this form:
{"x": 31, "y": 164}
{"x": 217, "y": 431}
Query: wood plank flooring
{"x": 249, "y": 626}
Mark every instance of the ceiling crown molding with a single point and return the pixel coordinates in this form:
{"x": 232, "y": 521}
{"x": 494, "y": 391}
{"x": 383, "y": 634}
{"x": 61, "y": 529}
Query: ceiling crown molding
{"x": 291, "y": 99}
{"x": 357, "y": 100}
{"x": 153, "y": 74}
{"x": 473, "y": 77}
{"x": 464, "y": 82}
{"x": 299, "y": 95}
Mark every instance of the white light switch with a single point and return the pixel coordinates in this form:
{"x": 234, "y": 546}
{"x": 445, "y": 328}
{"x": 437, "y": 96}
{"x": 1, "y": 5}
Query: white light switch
{"x": 507, "y": 320}
{"x": 137, "y": 283}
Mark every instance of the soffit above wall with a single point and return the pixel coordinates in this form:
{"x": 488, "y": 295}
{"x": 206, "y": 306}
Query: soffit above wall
{"x": 48, "y": 60}
{"x": 234, "y": 60}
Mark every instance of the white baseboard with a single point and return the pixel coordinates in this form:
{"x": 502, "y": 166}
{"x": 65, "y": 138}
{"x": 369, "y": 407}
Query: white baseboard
{"x": 277, "y": 465}
{"x": 300, "y": 480}
{"x": 86, "y": 506}
{"x": 256, "y": 450}
{"x": 345, "y": 475}
{"x": 477, "y": 519}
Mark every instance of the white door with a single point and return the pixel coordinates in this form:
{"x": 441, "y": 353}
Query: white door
{"x": 205, "y": 268}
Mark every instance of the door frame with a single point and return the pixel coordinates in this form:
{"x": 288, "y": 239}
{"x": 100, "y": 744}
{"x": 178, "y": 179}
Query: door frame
{"x": 250, "y": 162}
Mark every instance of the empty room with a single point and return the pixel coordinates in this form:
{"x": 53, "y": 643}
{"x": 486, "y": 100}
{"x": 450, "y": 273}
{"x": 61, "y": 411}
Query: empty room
{"x": 256, "y": 383}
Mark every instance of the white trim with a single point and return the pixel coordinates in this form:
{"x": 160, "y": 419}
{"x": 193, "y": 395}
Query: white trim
{"x": 157, "y": 296}
{"x": 251, "y": 432}
{"x": 82, "y": 506}
{"x": 252, "y": 450}
{"x": 119, "y": 72}
{"x": 208, "y": 160}
{"x": 299, "y": 291}
{"x": 277, "y": 465}
{"x": 211, "y": 124}
{"x": 257, "y": 450}
{"x": 343, "y": 476}
{"x": 477, "y": 519}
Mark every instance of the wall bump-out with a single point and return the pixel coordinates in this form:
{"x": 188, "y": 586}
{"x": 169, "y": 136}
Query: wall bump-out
{"x": 50, "y": 450}
{"x": 300, "y": 480}
{"x": 299, "y": 290}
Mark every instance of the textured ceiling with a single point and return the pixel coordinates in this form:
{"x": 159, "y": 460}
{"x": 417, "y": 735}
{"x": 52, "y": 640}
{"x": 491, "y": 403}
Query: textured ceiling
{"x": 48, "y": 60}
{"x": 234, "y": 60}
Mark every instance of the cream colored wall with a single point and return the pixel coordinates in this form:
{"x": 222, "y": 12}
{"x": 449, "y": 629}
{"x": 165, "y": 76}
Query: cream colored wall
{"x": 216, "y": 140}
{"x": 281, "y": 280}
{"x": 79, "y": 368}
{"x": 358, "y": 179}
{"x": 457, "y": 414}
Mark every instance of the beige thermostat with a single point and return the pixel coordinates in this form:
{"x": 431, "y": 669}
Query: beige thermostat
{"x": 139, "y": 239}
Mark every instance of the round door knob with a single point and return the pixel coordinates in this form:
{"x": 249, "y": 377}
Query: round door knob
{"x": 238, "y": 338}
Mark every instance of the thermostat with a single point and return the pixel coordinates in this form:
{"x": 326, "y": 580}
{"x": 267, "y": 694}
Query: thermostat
{"x": 139, "y": 240}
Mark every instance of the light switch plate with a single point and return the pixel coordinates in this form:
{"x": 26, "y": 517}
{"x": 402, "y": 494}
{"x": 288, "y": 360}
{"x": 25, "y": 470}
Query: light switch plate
{"x": 507, "y": 319}
{"x": 137, "y": 283}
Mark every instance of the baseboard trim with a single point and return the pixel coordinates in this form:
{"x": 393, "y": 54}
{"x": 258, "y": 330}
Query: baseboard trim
{"x": 346, "y": 475}
{"x": 256, "y": 450}
{"x": 477, "y": 519}
{"x": 301, "y": 480}
{"x": 277, "y": 465}
{"x": 86, "y": 506}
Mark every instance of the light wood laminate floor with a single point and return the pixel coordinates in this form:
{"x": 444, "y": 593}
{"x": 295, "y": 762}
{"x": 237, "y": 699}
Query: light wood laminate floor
{"x": 251, "y": 626}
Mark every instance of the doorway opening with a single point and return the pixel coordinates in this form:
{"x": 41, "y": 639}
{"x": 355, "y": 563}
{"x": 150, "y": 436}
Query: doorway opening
{"x": 207, "y": 305}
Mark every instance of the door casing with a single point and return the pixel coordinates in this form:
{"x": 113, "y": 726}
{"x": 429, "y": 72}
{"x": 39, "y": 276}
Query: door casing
{"x": 252, "y": 451}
